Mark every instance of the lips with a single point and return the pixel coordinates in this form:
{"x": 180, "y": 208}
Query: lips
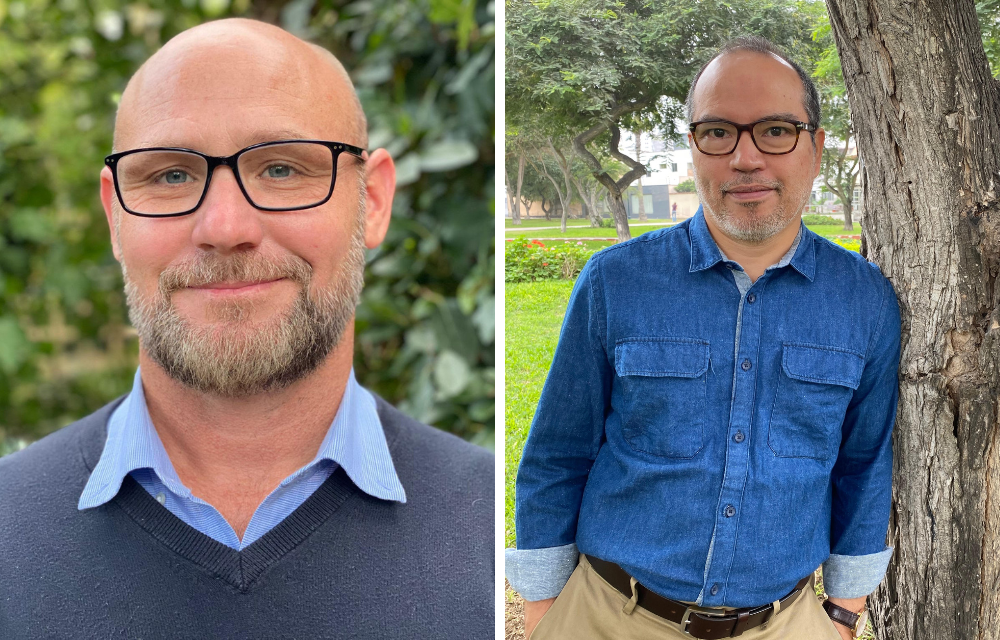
{"x": 749, "y": 191}
{"x": 235, "y": 287}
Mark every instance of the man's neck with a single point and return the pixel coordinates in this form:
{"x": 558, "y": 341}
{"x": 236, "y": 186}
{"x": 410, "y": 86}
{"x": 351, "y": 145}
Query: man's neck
{"x": 232, "y": 452}
{"x": 755, "y": 258}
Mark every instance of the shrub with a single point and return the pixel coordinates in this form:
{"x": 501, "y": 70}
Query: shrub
{"x": 849, "y": 243}
{"x": 686, "y": 186}
{"x": 812, "y": 218}
{"x": 607, "y": 223}
{"x": 533, "y": 261}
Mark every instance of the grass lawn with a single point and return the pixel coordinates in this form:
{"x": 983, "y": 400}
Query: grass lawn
{"x": 542, "y": 222}
{"x": 534, "y": 313}
{"x": 825, "y": 230}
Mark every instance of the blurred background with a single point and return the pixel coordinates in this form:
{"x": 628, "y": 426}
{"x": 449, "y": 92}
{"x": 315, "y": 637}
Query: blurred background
{"x": 424, "y": 70}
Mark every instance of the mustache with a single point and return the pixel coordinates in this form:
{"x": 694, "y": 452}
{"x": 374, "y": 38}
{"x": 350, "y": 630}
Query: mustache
{"x": 777, "y": 185}
{"x": 210, "y": 268}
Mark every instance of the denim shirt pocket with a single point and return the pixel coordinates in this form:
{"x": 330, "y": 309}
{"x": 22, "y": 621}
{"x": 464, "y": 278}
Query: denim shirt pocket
{"x": 815, "y": 386}
{"x": 664, "y": 389}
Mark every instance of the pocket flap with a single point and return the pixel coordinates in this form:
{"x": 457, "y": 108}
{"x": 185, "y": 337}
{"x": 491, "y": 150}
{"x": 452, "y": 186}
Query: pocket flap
{"x": 676, "y": 357}
{"x": 828, "y": 365}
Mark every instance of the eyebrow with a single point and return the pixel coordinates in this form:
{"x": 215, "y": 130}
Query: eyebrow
{"x": 771, "y": 116}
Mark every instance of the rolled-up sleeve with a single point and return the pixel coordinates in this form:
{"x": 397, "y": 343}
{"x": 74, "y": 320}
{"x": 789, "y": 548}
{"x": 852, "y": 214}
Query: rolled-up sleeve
{"x": 562, "y": 445}
{"x": 862, "y": 475}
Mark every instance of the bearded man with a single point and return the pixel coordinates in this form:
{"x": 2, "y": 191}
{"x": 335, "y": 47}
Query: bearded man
{"x": 717, "y": 420}
{"x": 248, "y": 486}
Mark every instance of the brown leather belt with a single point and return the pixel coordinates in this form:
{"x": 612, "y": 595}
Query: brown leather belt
{"x": 695, "y": 622}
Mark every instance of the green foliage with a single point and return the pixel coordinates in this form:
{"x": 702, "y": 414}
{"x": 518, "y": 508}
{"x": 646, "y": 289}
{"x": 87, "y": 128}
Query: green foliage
{"x": 849, "y": 243}
{"x": 686, "y": 186}
{"x": 607, "y": 223}
{"x": 988, "y": 12}
{"x": 533, "y": 261}
{"x": 812, "y": 218}
{"x": 424, "y": 71}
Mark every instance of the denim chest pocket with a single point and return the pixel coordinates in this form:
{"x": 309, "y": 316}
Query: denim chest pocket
{"x": 814, "y": 388}
{"x": 664, "y": 390}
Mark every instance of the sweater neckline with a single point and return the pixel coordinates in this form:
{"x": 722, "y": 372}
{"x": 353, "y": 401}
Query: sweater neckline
{"x": 240, "y": 569}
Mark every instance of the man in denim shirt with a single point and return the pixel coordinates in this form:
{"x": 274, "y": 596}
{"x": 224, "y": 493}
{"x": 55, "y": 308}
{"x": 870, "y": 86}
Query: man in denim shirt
{"x": 717, "y": 420}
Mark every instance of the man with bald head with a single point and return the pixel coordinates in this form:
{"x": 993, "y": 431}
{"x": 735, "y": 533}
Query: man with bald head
{"x": 717, "y": 420}
{"x": 247, "y": 486}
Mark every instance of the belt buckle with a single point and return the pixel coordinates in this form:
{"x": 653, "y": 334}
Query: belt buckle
{"x": 710, "y": 613}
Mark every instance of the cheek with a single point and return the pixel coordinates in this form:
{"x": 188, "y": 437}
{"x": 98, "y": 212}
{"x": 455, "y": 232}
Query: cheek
{"x": 149, "y": 246}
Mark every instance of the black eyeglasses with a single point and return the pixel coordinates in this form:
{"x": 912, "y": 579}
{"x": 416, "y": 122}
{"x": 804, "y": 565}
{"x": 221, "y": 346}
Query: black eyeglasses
{"x": 287, "y": 175}
{"x": 774, "y": 137}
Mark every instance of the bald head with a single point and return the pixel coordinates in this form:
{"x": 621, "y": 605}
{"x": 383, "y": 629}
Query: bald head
{"x": 252, "y": 78}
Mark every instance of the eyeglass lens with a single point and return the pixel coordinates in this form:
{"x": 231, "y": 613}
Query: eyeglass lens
{"x": 720, "y": 138}
{"x": 293, "y": 175}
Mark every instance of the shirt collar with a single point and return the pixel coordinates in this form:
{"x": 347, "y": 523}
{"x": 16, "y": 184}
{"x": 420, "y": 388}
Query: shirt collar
{"x": 705, "y": 253}
{"x": 355, "y": 441}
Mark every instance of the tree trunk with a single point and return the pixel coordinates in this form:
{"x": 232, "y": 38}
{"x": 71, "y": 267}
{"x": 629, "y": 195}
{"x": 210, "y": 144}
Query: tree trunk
{"x": 516, "y": 213}
{"x": 848, "y": 213}
{"x": 927, "y": 118}
{"x": 642, "y": 197}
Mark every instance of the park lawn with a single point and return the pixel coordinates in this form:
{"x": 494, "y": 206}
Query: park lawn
{"x": 583, "y": 232}
{"x": 834, "y": 230}
{"x": 534, "y": 313}
{"x": 542, "y": 222}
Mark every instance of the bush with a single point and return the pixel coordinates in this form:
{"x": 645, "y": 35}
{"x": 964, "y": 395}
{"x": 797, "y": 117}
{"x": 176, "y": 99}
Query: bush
{"x": 849, "y": 243}
{"x": 686, "y": 187}
{"x": 533, "y": 261}
{"x": 812, "y": 218}
{"x": 607, "y": 223}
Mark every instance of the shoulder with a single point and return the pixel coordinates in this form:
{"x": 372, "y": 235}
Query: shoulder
{"x": 660, "y": 245}
{"x": 70, "y": 451}
{"x": 431, "y": 455}
{"x": 835, "y": 261}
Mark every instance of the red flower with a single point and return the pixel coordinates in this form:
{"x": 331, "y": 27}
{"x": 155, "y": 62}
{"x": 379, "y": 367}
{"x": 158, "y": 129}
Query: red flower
{"x": 545, "y": 264}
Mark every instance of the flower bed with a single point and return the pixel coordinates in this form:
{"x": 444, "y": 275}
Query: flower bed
{"x": 532, "y": 261}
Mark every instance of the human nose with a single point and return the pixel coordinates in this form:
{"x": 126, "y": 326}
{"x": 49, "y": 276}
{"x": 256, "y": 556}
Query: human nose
{"x": 225, "y": 221}
{"x": 746, "y": 156}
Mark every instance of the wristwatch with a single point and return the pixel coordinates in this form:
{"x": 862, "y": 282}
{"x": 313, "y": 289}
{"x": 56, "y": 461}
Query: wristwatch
{"x": 854, "y": 621}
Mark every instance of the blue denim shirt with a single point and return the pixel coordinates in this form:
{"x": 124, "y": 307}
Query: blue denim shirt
{"x": 719, "y": 439}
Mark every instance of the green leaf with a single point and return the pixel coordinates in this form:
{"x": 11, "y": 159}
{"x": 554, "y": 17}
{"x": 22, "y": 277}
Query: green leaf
{"x": 448, "y": 155}
{"x": 14, "y": 346}
{"x": 451, "y": 374}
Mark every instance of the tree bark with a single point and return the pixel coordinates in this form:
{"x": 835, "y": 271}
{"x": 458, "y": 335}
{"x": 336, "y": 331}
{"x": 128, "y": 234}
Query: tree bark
{"x": 615, "y": 188}
{"x": 516, "y": 213}
{"x": 927, "y": 118}
{"x": 642, "y": 198}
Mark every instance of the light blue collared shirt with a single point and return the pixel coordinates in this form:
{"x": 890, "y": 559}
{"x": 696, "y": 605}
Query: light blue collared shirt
{"x": 355, "y": 441}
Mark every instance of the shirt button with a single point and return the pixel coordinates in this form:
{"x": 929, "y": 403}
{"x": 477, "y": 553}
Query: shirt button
{"x": 715, "y": 589}
{"x": 730, "y": 511}
{"x": 746, "y": 365}
{"x": 751, "y": 298}
{"x": 739, "y": 436}
{"x": 161, "y": 498}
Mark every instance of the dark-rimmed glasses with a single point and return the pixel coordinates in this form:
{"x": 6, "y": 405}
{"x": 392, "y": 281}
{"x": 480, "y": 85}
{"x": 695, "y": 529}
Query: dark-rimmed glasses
{"x": 286, "y": 175}
{"x": 774, "y": 137}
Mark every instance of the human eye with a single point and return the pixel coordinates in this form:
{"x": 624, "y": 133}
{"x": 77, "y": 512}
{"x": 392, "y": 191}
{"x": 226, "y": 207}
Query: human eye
{"x": 778, "y": 130}
{"x": 174, "y": 176}
{"x": 278, "y": 171}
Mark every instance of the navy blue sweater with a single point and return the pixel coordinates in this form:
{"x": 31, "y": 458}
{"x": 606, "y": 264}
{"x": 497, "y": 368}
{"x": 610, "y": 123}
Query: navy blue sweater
{"x": 343, "y": 565}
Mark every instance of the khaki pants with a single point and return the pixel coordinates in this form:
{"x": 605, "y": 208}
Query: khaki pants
{"x": 590, "y": 609}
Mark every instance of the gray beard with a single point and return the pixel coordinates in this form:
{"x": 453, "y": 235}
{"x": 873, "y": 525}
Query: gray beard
{"x": 235, "y": 356}
{"x": 751, "y": 230}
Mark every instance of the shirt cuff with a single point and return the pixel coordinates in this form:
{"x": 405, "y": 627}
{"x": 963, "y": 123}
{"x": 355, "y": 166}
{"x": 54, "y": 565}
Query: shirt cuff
{"x": 539, "y": 574}
{"x": 854, "y": 576}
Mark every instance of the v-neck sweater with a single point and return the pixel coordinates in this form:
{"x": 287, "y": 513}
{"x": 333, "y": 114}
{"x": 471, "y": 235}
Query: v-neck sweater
{"x": 342, "y": 565}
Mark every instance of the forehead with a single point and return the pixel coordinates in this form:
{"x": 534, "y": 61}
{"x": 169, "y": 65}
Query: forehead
{"x": 219, "y": 97}
{"x": 745, "y": 86}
